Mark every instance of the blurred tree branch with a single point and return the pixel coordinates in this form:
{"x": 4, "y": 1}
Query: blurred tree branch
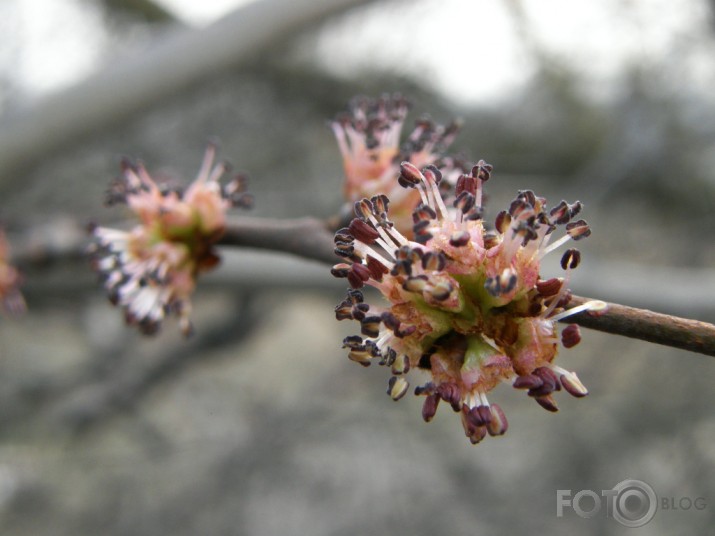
{"x": 121, "y": 390}
{"x": 145, "y": 10}
{"x": 179, "y": 60}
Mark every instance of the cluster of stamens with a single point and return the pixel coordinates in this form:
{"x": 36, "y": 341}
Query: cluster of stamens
{"x": 463, "y": 302}
{"x": 151, "y": 270}
{"x": 368, "y": 135}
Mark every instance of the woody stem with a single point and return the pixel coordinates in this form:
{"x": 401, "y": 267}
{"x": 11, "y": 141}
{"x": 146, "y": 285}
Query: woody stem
{"x": 683, "y": 333}
{"x": 312, "y": 238}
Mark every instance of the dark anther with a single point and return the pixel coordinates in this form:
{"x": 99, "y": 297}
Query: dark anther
{"x": 355, "y": 296}
{"x": 491, "y": 239}
{"x": 404, "y": 331}
{"x": 484, "y": 414}
{"x": 507, "y": 281}
{"x": 441, "y": 291}
{"x": 550, "y": 378}
{"x": 493, "y": 286}
{"x": 527, "y": 196}
{"x": 503, "y": 221}
{"x": 432, "y": 173}
{"x": 343, "y": 236}
{"x": 363, "y": 231}
{"x": 410, "y": 176}
{"x": 578, "y": 229}
{"x": 547, "y": 403}
{"x": 465, "y": 183}
{"x": 560, "y": 214}
{"x": 451, "y": 393}
{"x": 459, "y": 239}
{"x": 570, "y": 258}
{"x": 473, "y": 416}
{"x": 575, "y": 208}
{"x": 420, "y": 227}
{"x": 391, "y": 322}
{"x": 380, "y": 204}
{"x": 340, "y": 270}
{"x": 423, "y": 213}
{"x": 363, "y": 209}
{"x": 362, "y": 271}
{"x": 422, "y": 237}
{"x": 415, "y": 284}
{"x": 434, "y": 261}
{"x": 377, "y": 269}
{"x": 389, "y": 357}
{"x": 464, "y": 202}
{"x": 528, "y": 381}
{"x": 477, "y": 213}
{"x": 549, "y": 287}
{"x": 570, "y": 336}
{"x": 429, "y": 408}
{"x": 352, "y": 341}
{"x": 402, "y": 268}
{"x": 370, "y": 326}
{"x": 355, "y": 280}
{"x": 482, "y": 171}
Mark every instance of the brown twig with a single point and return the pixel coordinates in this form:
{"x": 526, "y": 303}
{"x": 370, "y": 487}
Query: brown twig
{"x": 645, "y": 325}
{"x": 312, "y": 238}
{"x": 309, "y": 238}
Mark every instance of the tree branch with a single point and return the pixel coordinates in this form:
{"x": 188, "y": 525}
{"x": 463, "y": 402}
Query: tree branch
{"x": 309, "y": 238}
{"x": 645, "y": 325}
{"x": 312, "y": 238}
{"x": 127, "y": 86}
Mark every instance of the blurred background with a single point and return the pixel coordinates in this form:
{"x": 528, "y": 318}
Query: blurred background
{"x": 259, "y": 424}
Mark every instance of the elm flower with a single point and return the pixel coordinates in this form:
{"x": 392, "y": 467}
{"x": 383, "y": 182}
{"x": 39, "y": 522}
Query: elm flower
{"x": 150, "y": 271}
{"x": 10, "y": 279}
{"x": 463, "y": 303}
{"x": 368, "y": 136}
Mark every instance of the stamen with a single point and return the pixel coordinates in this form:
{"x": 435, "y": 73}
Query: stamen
{"x": 570, "y": 336}
{"x": 578, "y": 229}
{"x": 554, "y": 245}
{"x": 207, "y": 162}
{"x": 593, "y": 305}
{"x": 432, "y": 177}
{"x": 397, "y": 387}
{"x": 570, "y": 259}
{"x": 429, "y": 408}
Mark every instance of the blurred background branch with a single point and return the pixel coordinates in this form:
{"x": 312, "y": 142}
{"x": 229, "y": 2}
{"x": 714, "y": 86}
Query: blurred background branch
{"x": 144, "y": 10}
{"x": 127, "y": 87}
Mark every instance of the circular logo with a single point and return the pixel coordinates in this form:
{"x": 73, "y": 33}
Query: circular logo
{"x": 635, "y": 503}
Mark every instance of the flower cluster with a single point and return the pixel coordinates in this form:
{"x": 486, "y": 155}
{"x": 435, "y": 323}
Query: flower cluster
{"x": 10, "y": 279}
{"x": 151, "y": 270}
{"x": 465, "y": 303}
{"x": 368, "y": 135}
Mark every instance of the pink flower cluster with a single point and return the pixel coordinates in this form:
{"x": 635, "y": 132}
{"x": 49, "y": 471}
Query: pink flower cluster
{"x": 369, "y": 138}
{"x": 151, "y": 269}
{"x": 464, "y": 302}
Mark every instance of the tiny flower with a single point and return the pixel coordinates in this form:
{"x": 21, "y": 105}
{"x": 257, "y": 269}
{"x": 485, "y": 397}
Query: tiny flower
{"x": 463, "y": 302}
{"x": 151, "y": 269}
{"x": 10, "y": 280}
{"x": 369, "y": 139}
